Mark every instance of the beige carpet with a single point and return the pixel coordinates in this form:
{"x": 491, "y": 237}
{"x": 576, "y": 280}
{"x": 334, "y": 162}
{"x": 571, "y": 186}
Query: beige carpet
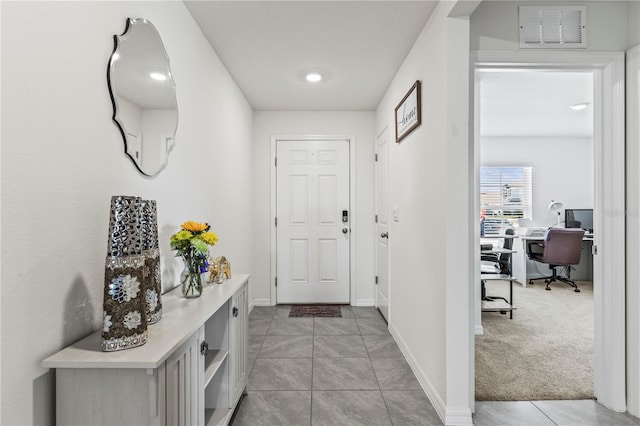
{"x": 544, "y": 352}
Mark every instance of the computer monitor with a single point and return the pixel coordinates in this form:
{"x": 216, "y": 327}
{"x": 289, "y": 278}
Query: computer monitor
{"x": 579, "y": 218}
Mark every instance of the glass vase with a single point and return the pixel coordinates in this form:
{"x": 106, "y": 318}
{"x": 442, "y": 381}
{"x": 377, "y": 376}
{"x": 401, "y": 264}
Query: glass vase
{"x": 191, "y": 281}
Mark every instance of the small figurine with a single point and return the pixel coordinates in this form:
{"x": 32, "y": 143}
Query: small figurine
{"x": 226, "y": 267}
{"x": 219, "y": 269}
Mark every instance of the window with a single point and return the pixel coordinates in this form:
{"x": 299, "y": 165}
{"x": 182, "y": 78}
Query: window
{"x": 505, "y": 196}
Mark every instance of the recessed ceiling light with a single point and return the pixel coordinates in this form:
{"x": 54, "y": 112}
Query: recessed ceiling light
{"x": 158, "y": 76}
{"x": 579, "y": 107}
{"x": 313, "y": 77}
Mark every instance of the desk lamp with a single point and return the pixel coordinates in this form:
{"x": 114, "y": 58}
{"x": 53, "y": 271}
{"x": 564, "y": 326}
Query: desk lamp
{"x": 556, "y": 206}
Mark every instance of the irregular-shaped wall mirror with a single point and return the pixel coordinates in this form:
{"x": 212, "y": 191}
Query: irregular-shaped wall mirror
{"x": 144, "y": 95}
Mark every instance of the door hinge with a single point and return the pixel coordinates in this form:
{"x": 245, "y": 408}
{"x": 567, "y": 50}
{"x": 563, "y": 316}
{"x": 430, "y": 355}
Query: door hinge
{"x": 276, "y": 281}
{"x": 376, "y": 279}
{"x": 276, "y": 221}
{"x": 594, "y": 249}
{"x": 376, "y": 156}
{"x": 376, "y": 218}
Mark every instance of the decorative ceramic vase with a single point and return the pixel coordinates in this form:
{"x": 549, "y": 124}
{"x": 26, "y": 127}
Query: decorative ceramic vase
{"x": 125, "y": 323}
{"x": 151, "y": 252}
{"x": 191, "y": 280}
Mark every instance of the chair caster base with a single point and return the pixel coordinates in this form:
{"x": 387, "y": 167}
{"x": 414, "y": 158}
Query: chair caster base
{"x": 577, "y": 290}
{"x": 548, "y": 288}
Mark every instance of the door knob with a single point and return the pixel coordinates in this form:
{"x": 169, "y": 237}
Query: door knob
{"x": 204, "y": 348}
{"x": 385, "y": 235}
{"x": 345, "y": 230}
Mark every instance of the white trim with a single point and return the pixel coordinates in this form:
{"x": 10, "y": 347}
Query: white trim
{"x": 425, "y": 383}
{"x": 458, "y": 416}
{"x": 478, "y": 330}
{"x": 363, "y": 302}
{"x": 352, "y": 206}
{"x": 261, "y": 302}
{"x": 609, "y": 297}
{"x": 633, "y": 231}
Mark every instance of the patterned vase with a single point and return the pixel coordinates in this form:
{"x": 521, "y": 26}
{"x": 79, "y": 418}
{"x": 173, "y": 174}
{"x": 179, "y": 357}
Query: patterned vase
{"x": 125, "y": 323}
{"x": 151, "y": 252}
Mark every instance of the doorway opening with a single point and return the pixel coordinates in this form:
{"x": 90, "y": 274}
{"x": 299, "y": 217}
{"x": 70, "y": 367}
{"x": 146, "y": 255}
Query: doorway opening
{"x": 536, "y": 150}
{"x": 607, "y": 70}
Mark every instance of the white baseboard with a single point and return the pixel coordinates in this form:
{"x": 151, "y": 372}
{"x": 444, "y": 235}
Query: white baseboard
{"x": 425, "y": 383}
{"x": 364, "y": 302}
{"x": 261, "y": 302}
{"x": 461, "y": 416}
{"x": 449, "y": 416}
{"x": 478, "y": 330}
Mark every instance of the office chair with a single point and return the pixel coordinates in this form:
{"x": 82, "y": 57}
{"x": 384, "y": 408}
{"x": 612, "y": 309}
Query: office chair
{"x": 560, "y": 247}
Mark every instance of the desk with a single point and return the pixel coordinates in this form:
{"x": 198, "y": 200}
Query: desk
{"x": 519, "y": 261}
{"x": 498, "y": 304}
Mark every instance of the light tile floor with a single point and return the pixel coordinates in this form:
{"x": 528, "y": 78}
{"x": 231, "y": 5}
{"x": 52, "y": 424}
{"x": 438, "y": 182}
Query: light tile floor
{"x": 349, "y": 371}
{"x": 328, "y": 371}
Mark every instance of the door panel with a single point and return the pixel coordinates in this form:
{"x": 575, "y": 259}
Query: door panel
{"x": 382, "y": 225}
{"x": 312, "y": 184}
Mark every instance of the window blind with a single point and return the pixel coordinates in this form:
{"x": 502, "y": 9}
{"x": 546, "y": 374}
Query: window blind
{"x": 505, "y": 196}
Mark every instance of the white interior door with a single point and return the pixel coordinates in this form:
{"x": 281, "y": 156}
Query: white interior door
{"x": 312, "y": 221}
{"x": 382, "y": 223}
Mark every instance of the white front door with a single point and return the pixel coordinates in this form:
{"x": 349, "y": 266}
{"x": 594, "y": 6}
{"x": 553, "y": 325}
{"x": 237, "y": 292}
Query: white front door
{"x": 382, "y": 223}
{"x": 313, "y": 221}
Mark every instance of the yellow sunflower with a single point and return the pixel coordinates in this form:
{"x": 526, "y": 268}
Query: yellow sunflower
{"x": 194, "y": 226}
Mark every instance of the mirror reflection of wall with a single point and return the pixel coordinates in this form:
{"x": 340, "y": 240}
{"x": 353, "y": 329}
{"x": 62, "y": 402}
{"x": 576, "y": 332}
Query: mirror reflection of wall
{"x": 144, "y": 95}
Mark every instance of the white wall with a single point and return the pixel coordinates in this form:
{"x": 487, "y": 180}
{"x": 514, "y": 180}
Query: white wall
{"x": 633, "y": 24}
{"x": 494, "y": 25}
{"x": 562, "y": 170}
{"x": 62, "y": 160}
{"x": 430, "y": 310}
{"x": 283, "y": 123}
{"x": 157, "y": 124}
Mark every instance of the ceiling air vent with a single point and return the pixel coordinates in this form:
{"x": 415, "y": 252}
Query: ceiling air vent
{"x": 545, "y": 27}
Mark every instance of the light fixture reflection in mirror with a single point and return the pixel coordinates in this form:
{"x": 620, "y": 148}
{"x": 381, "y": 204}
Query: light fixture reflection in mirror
{"x": 143, "y": 93}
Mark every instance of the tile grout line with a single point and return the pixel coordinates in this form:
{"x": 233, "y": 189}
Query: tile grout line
{"x": 386, "y": 407}
{"x": 545, "y": 414}
{"x": 313, "y": 353}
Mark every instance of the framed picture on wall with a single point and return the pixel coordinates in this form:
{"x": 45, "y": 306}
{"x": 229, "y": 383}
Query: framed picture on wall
{"x": 408, "y": 112}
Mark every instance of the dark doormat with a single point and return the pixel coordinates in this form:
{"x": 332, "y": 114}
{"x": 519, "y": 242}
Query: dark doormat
{"x": 315, "y": 311}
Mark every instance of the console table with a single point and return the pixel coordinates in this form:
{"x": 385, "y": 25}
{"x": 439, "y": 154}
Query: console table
{"x": 192, "y": 370}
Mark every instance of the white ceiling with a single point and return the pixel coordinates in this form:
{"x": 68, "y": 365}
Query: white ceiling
{"x": 267, "y": 46}
{"x": 535, "y": 103}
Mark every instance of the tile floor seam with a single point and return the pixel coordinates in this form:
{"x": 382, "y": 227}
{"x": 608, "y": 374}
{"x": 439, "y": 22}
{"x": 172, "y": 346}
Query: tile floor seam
{"x": 542, "y": 411}
{"x": 313, "y": 353}
{"x": 386, "y": 407}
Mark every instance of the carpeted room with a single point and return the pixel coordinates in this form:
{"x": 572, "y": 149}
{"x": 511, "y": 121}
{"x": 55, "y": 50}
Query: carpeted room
{"x": 544, "y": 352}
